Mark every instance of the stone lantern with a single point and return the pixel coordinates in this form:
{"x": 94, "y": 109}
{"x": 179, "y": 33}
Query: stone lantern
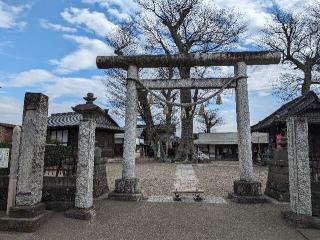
{"x": 85, "y": 167}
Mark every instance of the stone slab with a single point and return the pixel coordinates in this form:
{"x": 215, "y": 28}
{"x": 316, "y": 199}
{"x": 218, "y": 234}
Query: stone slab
{"x": 185, "y": 179}
{"x": 32, "y": 149}
{"x": 24, "y": 224}
{"x": 299, "y": 168}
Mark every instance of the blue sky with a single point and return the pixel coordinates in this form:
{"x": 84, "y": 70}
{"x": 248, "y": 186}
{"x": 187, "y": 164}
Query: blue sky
{"x": 50, "y": 47}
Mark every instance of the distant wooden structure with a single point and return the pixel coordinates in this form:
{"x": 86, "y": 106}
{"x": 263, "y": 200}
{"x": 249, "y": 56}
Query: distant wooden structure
{"x": 64, "y": 128}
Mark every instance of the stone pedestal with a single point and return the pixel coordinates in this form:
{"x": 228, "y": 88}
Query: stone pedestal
{"x": 29, "y": 212}
{"x": 85, "y": 166}
{"x": 247, "y": 192}
{"x": 25, "y": 218}
{"x": 127, "y": 188}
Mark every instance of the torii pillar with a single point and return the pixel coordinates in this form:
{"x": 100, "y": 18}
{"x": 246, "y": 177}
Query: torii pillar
{"x": 247, "y": 189}
{"x": 127, "y": 188}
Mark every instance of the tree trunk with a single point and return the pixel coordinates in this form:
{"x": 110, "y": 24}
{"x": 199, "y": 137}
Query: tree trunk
{"x": 147, "y": 117}
{"x": 185, "y": 149}
{"x": 306, "y": 86}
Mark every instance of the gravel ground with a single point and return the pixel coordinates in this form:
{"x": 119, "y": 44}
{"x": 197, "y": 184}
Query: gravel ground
{"x": 217, "y": 178}
{"x": 142, "y": 220}
{"x": 155, "y": 178}
{"x": 158, "y": 178}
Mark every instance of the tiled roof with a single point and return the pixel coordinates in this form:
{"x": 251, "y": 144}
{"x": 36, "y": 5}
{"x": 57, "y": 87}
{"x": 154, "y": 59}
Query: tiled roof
{"x": 73, "y": 119}
{"x": 7, "y": 125}
{"x": 292, "y": 108}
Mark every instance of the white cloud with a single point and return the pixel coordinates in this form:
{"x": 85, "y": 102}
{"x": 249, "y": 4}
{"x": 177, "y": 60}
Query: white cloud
{"x": 75, "y": 87}
{"x": 125, "y": 6}
{"x": 84, "y": 57}
{"x": 9, "y": 15}
{"x": 31, "y": 77}
{"x": 92, "y": 21}
{"x": 56, "y": 27}
{"x": 120, "y": 15}
{"x": 262, "y": 78}
{"x": 10, "y": 110}
{"x": 256, "y": 12}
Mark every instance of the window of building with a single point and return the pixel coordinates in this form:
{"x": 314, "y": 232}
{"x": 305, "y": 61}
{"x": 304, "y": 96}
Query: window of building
{"x": 59, "y": 135}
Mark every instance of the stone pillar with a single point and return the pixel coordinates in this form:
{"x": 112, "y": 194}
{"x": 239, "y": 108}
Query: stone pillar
{"x": 29, "y": 212}
{"x": 246, "y": 190}
{"x": 243, "y": 123}
{"x": 299, "y": 169}
{"x": 14, "y": 161}
{"x": 85, "y": 165}
{"x": 127, "y": 188}
{"x": 31, "y": 159}
{"x": 129, "y": 147}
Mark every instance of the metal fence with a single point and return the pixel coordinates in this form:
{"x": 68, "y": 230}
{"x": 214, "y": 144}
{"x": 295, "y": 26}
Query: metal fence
{"x": 60, "y": 161}
{"x": 315, "y": 168}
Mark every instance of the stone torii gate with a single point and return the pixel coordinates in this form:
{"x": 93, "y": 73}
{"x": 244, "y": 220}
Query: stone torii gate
{"x": 247, "y": 189}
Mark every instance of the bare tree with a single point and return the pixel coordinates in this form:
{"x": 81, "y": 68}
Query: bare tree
{"x": 208, "y": 119}
{"x": 297, "y": 37}
{"x": 186, "y": 26}
{"x": 125, "y": 42}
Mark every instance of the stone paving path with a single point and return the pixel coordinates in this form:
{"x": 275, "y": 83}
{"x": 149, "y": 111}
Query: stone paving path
{"x": 186, "y": 181}
{"x": 185, "y": 178}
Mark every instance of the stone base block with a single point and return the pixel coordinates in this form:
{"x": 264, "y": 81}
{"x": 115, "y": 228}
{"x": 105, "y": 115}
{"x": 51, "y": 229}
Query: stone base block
{"x": 126, "y": 190}
{"x": 127, "y": 185}
{"x": 27, "y": 211}
{"x": 301, "y": 221}
{"x": 125, "y": 196}
{"x": 81, "y": 214}
{"x": 247, "y": 192}
{"x": 247, "y": 188}
{"x": 23, "y": 224}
